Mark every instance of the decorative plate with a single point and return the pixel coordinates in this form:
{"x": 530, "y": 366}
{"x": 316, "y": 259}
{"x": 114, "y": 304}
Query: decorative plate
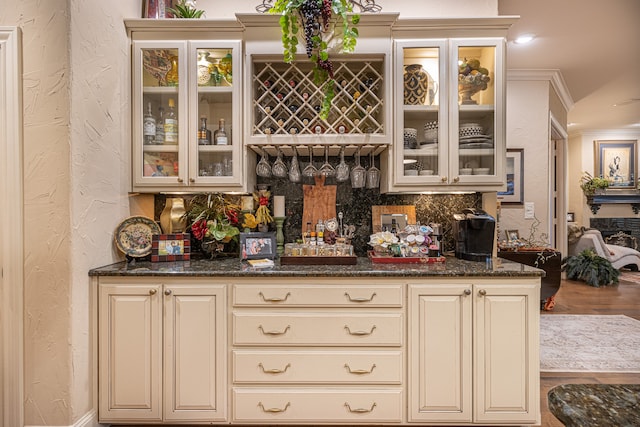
{"x": 133, "y": 235}
{"x": 331, "y": 224}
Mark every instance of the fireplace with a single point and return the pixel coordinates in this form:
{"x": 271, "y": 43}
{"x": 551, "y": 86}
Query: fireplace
{"x": 609, "y": 227}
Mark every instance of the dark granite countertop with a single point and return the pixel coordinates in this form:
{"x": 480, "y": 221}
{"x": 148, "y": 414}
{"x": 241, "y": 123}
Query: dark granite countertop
{"x": 233, "y": 267}
{"x": 596, "y": 405}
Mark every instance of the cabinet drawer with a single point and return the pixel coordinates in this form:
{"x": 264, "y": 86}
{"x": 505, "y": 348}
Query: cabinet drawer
{"x": 344, "y": 329}
{"x": 317, "y": 367}
{"x": 316, "y": 295}
{"x": 347, "y": 406}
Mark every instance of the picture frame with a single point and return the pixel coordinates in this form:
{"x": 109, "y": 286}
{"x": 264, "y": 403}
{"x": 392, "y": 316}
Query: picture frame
{"x": 170, "y": 247}
{"x": 258, "y": 245}
{"x": 514, "y": 194}
{"x": 617, "y": 162}
{"x": 156, "y": 9}
{"x": 571, "y": 217}
{"x": 512, "y": 235}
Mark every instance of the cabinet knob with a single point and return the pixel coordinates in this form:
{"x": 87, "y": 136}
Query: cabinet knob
{"x": 192, "y": 180}
{"x": 152, "y": 291}
{"x": 443, "y": 179}
{"x": 467, "y": 291}
{"x": 482, "y": 292}
{"x": 167, "y": 291}
{"x": 180, "y": 180}
{"x": 456, "y": 179}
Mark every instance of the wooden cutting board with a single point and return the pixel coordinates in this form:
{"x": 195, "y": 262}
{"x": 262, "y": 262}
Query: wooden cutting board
{"x": 319, "y": 202}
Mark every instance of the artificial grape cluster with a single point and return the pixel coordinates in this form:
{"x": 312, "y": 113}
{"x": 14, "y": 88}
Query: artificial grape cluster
{"x": 310, "y": 12}
{"x": 326, "y": 65}
{"x": 326, "y": 13}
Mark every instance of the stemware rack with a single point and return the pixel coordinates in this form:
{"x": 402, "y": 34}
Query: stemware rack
{"x": 319, "y": 149}
{"x": 286, "y": 101}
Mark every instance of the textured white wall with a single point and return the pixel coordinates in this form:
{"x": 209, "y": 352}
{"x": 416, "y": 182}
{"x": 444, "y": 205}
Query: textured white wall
{"x": 76, "y": 151}
{"x": 528, "y": 128}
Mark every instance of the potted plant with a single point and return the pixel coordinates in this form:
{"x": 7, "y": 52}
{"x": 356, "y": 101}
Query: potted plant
{"x": 591, "y": 184}
{"x": 590, "y": 268}
{"x": 316, "y": 22}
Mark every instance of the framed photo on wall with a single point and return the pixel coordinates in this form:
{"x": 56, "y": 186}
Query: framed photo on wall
{"x": 258, "y": 245}
{"x": 617, "y": 162}
{"x": 514, "y": 195}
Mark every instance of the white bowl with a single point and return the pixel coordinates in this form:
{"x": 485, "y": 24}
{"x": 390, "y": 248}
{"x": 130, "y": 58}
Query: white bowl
{"x": 426, "y": 172}
{"x": 410, "y": 172}
{"x": 481, "y": 171}
{"x": 466, "y": 171}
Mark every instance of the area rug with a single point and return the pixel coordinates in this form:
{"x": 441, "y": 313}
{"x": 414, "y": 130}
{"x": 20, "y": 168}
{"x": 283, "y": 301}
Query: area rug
{"x": 589, "y": 343}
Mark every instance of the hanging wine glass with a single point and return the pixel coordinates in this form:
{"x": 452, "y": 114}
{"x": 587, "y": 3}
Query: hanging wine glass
{"x": 279, "y": 168}
{"x": 294, "y": 168}
{"x": 342, "y": 169}
{"x": 326, "y": 169}
{"x": 358, "y": 173}
{"x": 310, "y": 170}
{"x": 263, "y": 168}
{"x": 373, "y": 174}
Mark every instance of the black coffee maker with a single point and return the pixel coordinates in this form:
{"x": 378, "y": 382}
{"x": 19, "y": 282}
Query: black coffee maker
{"x": 473, "y": 232}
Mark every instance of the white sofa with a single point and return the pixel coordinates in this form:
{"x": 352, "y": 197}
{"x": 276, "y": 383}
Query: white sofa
{"x": 619, "y": 256}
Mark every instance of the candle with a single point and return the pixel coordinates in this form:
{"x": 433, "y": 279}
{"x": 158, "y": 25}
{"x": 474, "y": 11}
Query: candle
{"x": 247, "y": 203}
{"x": 278, "y": 206}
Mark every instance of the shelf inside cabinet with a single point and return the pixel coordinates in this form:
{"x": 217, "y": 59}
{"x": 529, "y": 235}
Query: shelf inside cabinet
{"x": 160, "y": 90}
{"x": 161, "y": 148}
{"x": 215, "y": 148}
{"x": 318, "y": 149}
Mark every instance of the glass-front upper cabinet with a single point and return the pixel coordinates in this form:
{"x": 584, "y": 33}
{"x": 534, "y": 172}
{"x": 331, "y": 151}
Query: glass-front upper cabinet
{"x": 185, "y": 105}
{"x": 477, "y": 127}
{"x": 449, "y": 116}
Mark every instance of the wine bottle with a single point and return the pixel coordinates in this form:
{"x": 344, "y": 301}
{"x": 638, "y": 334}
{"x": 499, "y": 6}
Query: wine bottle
{"x": 204, "y": 134}
{"x": 220, "y": 135}
{"x": 160, "y": 126}
{"x": 171, "y": 124}
{"x": 149, "y": 127}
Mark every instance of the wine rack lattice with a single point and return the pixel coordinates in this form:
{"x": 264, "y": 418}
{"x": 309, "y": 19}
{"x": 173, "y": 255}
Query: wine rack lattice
{"x": 286, "y": 101}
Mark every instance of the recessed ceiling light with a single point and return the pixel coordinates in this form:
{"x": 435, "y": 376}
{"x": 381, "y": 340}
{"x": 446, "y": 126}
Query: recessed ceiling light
{"x": 525, "y": 38}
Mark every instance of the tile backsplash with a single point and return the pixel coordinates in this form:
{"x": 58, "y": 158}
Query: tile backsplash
{"x": 355, "y": 204}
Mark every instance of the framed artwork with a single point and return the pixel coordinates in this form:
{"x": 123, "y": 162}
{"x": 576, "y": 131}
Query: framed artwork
{"x": 512, "y": 235}
{"x": 257, "y": 245}
{"x": 170, "y": 247}
{"x": 514, "y": 194}
{"x": 616, "y": 161}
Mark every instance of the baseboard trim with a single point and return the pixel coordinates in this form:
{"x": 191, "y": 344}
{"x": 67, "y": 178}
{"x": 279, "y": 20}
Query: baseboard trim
{"x": 90, "y": 419}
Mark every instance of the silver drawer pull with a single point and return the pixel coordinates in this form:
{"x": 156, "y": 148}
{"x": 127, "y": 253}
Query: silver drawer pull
{"x": 359, "y": 371}
{"x": 359, "y": 299}
{"x": 360, "y": 410}
{"x": 274, "y": 332}
{"x": 359, "y": 333}
{"x": 275, "y": 410}
{"x": 276, "y": 299}
{"x": 274, "y": 371}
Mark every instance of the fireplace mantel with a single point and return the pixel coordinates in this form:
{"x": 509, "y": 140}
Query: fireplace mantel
{"x": 615, "y": 197}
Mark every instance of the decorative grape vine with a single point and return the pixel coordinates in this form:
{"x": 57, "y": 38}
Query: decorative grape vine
{"x": 316, "y": 19}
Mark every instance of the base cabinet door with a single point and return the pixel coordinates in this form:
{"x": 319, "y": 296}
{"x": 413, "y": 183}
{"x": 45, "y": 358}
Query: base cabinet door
{"x": 130, "y": 352}
{"x": 162, "y": 352}
{"x": 194, "y": 350}
{"x": 506, "y": 348}
{"x": 440, "y": 353}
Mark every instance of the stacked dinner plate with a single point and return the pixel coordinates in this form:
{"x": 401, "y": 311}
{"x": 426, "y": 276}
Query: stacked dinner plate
{"x": 471, "y": 135}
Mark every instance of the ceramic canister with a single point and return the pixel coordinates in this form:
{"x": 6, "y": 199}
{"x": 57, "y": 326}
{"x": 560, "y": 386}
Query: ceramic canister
{"x": 418, "y": 85}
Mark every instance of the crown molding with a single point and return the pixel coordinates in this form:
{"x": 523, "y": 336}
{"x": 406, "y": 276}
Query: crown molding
{"x": 552, "y": 76}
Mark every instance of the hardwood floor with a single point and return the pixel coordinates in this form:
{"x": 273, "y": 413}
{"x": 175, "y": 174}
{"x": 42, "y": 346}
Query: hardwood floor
{"x": 580, "y": 298}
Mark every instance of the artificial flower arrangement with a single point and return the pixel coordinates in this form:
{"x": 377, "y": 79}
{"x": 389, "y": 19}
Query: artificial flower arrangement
{"x": 213, "y": 221}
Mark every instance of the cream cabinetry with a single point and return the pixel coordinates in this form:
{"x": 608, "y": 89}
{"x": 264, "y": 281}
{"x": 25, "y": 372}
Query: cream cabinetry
{"x": 191, "y": 72}
{"x": 162, "y": 354}
{"x": 473, "y": 352}
{"x": 320, "y": 351}
{"x": 449, "y": 100}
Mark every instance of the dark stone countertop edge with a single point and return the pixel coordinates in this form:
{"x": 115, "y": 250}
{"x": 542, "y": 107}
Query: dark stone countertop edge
{"x": 452, "y": 267}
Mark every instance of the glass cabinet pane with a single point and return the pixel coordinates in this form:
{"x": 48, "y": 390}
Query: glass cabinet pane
{"x": 161, "y": 81}
{"x": 421, "y": 112}
{"x": 476, "y": 110}
{"x": 215, "y": 87}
